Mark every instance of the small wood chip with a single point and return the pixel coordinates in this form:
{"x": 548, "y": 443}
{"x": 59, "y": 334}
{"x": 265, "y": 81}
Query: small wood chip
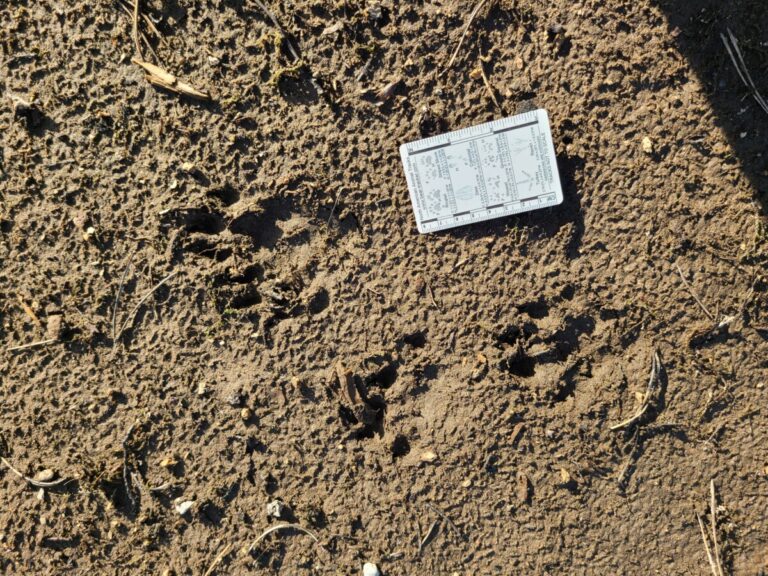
{"x": 523, "y": 490}
{"x": 164, "y": 79}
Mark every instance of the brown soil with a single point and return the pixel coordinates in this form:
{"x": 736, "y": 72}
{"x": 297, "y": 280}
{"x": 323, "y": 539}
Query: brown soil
{"x": 495, "y": 358}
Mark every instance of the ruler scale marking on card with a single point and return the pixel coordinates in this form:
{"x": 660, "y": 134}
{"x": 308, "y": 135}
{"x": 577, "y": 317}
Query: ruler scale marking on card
{"x": 482, "y": 172}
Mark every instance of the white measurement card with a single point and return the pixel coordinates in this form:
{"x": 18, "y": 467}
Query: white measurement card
{"x": 503, "y": 167}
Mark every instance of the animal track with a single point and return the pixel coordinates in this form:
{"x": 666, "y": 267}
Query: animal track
{"x": 252, "y": 251}
{"x": 545, "y": 352}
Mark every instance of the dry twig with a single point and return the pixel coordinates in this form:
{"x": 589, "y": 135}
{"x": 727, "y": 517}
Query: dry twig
{"x": 431, "y": 295}
{"x": 32, "y": 345}
{"x": 280, "y": 30}
{"x": 711, "y": 543}
{"x": 155, "y": 74}
{"x": 732, "y": 45}
{"x": 713, "y": 521}
{"x": 649, "y": 390}
{"x": 216, "y": 561}
{"x": 32, "y": 481}
{"x": 132, "y": 315}
{"x": 128, "y": 9}
{"x": 704, "y": 537}
{"x": 136, "y": 28}
{"x": 431, "y": 533}
{"x": 695, "y": 297}
{"x": 126, "y": 466}
{"x": 472, "y": 16}
{"x": 28, "y": 310}
{"x": 159, "y": 77}
{"x": 445, "y": 517}
{"x": 278, "y": 527}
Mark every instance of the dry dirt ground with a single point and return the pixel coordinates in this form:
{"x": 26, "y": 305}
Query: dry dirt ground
{"x": 216, "y": 283}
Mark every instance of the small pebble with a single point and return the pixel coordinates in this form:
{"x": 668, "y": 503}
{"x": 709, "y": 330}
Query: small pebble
{"x": 428, "y": 456}
{"x": 169, "y": 462}
{"x": 647, "y": 145}
{"x": 235, "y": 399}
{"x": 41, "y": 496}
{"x": 246, "y": 414}
{"x": 182, "y": 507}
{"x": 45, "y": 475}
{"x": 370, "y": 569}
{"x": 275, "y": 509}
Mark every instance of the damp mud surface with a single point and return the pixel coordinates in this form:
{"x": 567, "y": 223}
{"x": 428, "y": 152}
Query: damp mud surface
{"x": 210, "y": 306}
